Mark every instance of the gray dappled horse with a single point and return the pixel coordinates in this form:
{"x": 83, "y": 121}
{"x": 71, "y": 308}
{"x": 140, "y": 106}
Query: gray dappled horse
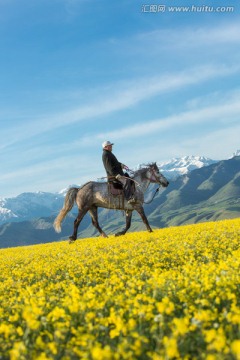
{"x": 94, "y": 194}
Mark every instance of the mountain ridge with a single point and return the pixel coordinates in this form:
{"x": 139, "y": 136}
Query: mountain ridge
{"x": 182, "y": 166}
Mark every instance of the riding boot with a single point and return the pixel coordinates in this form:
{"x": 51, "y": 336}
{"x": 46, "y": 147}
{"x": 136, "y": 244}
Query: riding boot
{"x": 128, "y": 191}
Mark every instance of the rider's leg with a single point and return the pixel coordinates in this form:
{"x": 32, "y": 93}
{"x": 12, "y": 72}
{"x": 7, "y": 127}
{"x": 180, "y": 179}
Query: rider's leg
{"x": 127, "y": 187}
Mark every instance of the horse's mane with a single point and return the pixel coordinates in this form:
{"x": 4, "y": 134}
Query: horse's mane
{"x": 143, "y": 168}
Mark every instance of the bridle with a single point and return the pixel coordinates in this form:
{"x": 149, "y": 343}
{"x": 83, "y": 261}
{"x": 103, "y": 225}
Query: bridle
{"x": 154, "y": 176}
{"x": 154, "y": 180}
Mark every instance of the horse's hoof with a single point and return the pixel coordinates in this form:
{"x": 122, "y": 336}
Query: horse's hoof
{"x": 104, "y": 235}
{"x": 71, "y": 240}
{"x": 119, "y": 234}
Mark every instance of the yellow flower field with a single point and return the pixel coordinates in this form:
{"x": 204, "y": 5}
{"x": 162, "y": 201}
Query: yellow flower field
{"x": 171, "y": 294}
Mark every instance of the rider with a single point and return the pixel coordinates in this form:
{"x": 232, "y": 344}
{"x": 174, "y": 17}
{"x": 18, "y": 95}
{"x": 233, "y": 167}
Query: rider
{"x": 114, "y": 170}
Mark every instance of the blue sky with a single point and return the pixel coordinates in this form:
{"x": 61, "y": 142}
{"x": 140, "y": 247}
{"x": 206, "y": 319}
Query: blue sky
{"x": 73, "y": 73}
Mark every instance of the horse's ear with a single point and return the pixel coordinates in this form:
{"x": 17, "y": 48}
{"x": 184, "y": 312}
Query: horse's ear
{"x": 155, "y": 166}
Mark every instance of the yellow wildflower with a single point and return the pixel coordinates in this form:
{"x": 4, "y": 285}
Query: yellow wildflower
{"x": 99, "y": 353}
{"x": 171, "y": 347}
{"x": 137, "y": 296}
{"x": 235, "y": 347}
{"x": 181, "y": 326}
{"x": 17, "y": 351}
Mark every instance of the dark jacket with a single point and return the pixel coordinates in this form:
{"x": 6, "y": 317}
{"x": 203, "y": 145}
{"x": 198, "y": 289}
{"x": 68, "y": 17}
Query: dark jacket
{"x": 112, "y": 166}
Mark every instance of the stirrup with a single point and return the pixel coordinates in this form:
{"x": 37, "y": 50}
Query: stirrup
{"x": 131, "y": 200}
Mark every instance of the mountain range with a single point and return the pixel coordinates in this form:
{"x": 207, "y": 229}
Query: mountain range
{"x": 29, "y": 206}
{"x": 200, "y": 189}
{"x": 173, "y": 168}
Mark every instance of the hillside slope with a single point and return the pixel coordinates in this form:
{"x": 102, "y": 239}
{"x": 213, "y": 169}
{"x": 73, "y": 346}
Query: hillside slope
{"x": 209, "y": 193}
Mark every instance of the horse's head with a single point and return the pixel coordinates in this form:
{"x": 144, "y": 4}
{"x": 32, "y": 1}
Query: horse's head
{"x": 155, "y": 176}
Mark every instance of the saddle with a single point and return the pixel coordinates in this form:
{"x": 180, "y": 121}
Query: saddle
{"x": 115, "y": 188}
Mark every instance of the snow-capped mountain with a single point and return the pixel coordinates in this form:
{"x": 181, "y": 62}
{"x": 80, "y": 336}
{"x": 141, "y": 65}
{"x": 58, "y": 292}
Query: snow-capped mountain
{"x": 236, "y": 153}
{"x": 65, "y": 190}
{"x": 182, "y": 166}
{"x": 5, "y": 214}
{"x": 29, "y": 205}
{"x": 42, "y": 204}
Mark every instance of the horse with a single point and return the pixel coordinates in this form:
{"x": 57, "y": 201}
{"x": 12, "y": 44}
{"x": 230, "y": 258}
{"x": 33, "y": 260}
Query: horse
{"x": 92, "y": 195}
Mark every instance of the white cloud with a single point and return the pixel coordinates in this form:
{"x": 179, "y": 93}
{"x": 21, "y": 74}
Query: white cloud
{"x": 78, "y": 167}
{"x": 218, "y": 144}
{"x": 190, "y": 37}
{"x": 200, "y": 116}
{"x": 50, "y": 174}
{"x": 123, "y": 97}
{"x": 225, "y": 33}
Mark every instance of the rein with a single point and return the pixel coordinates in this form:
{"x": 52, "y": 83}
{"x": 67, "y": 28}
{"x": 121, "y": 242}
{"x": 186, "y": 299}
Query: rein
{"x": 149, "y": 202}
{"x": 125, "y": 177}
{"x": 154, "y": 175}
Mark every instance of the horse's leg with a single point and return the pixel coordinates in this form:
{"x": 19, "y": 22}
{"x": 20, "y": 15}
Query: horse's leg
{"x": 128, "y": 223}
{"x": 94, "y": 216}
{"x": 81, "y": 214}
{"x": 141, "y": 212}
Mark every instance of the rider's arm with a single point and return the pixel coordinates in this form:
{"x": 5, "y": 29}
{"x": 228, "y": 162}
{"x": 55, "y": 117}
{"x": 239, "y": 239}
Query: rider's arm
{"x": 124, "y": 167}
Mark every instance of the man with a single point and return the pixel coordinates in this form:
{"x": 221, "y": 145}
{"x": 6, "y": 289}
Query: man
{"x": 114, "y": 170}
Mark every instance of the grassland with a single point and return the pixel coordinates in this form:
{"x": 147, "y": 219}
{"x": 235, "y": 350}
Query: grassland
{"x": 171, "y": 294}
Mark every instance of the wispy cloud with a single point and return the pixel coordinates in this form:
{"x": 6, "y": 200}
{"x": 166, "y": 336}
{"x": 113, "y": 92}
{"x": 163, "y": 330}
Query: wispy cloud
{"x": 190, "y": 37}
{"x": 216, "y": 143}
{"x": 223, "y": 33}
{"x": 221, "y": 114}
{"x": 115, "y": 99}
{"x": 51, "y": 173}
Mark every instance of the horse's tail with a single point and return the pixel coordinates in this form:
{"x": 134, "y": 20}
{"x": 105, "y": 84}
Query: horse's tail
{"x": 68, "y": 205}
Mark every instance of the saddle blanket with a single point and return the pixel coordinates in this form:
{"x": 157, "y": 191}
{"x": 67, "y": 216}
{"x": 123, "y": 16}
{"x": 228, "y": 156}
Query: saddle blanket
{"x": 115, "y": 189}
